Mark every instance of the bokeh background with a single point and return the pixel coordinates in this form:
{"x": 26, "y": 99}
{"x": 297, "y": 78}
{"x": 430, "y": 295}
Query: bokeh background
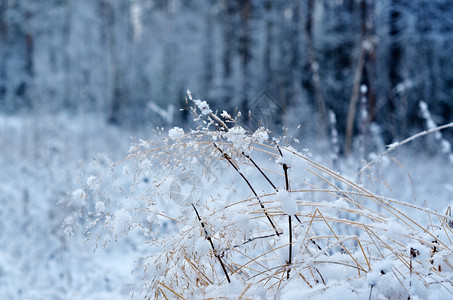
{"x": 81, "y": 77}
{"x": 130, "y": 62}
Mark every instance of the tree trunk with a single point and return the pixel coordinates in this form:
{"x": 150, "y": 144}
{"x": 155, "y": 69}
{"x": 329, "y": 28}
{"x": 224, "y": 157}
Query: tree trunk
{"x": 208, "y": 49}
{"x": 314, "y": 68}
{"x": 3, "y": 54}
{"x": 267, "y": 57}
{"x": 366, "y": 44}
{"x": 67, "y": 46}
{"x": 117, "y": 80}
{"x": 245, "y": 53}
{"x": 396, "y": 53}
{"x": 295, "y": 33}
{"x": 228, "y": 43}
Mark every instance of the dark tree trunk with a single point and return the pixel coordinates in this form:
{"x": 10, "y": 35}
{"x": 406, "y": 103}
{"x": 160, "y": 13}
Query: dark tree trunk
{"x": 245, "y": 52}
{"x": 364, "y": 70}
{"x": 118, "y": 99}
{"x": 396, "y": 53}
{"x": 208, "y": 60}
{"x": 295, "y": 33}
{"x": 315, "y": 82}
{"x": 369, "y": 78}
{"x": 267, "y": 57}
{"x": 228, "y": 44}
{"x": 3, "y": 54}
{"x": 67, "y": 93}
{"x": 22, "y": 91}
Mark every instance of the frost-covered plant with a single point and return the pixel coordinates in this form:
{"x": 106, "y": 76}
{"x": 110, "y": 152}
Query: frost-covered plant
{"x": 445, "y": 145}
{"x": 225, "y": 212}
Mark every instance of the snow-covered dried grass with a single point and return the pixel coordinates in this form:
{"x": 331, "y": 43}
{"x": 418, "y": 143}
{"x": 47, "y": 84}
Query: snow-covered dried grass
{"x": 225, "y": 212}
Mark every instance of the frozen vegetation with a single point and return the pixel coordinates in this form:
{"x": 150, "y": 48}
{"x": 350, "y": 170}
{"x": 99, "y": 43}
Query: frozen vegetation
{"x": 217, "y": 210}
{"x": 335, "y": 181}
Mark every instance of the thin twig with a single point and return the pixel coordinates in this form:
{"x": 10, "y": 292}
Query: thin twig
{"x": 212, "y": 244}
{"x": 396, "y": 145}
{"x": 261, "y": 171}
{"x": 228, "y": 158}
{"x": 306, "y": 281}
{"x": 371, "y": 291}
{"x": 322, "y": 278}
{"x": 290, "y": 247}
{"x": 220, "y": 121}
{"x": 342, "y": 244}
{"x": 251, "y": 239}
{"x": 244, "y": 291}
{"x": 285, "y": 170}
{"x": 175, "y": 293}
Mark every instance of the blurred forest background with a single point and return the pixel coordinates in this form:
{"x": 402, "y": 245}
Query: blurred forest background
{"x": 80, "y": 77}
{"x": 131, "y": 61}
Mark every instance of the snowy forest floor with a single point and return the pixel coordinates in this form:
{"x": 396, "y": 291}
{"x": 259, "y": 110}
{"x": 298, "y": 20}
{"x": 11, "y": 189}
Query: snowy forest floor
{"x": 40, "y": 163}
{"x": 40, "y": 157}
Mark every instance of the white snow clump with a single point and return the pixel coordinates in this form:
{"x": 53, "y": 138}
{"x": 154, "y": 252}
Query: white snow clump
{"x": 236, "y": 134}
{"x": 203, "y": 106}
{"x": 92, "y": 183}
{"x": 285, "y": 160}
{"x": 260, "y": 135}
{"x": 226, "y": 115}
{"x": 287, "y": 202}
{"x": 122, "y": 222}
{"x": 176, "y": 133}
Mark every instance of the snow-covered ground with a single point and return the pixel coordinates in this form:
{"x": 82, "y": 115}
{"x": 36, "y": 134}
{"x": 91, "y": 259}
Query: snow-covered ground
{"x": 150, "y": 194}
{"x": 39, "y": 163}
